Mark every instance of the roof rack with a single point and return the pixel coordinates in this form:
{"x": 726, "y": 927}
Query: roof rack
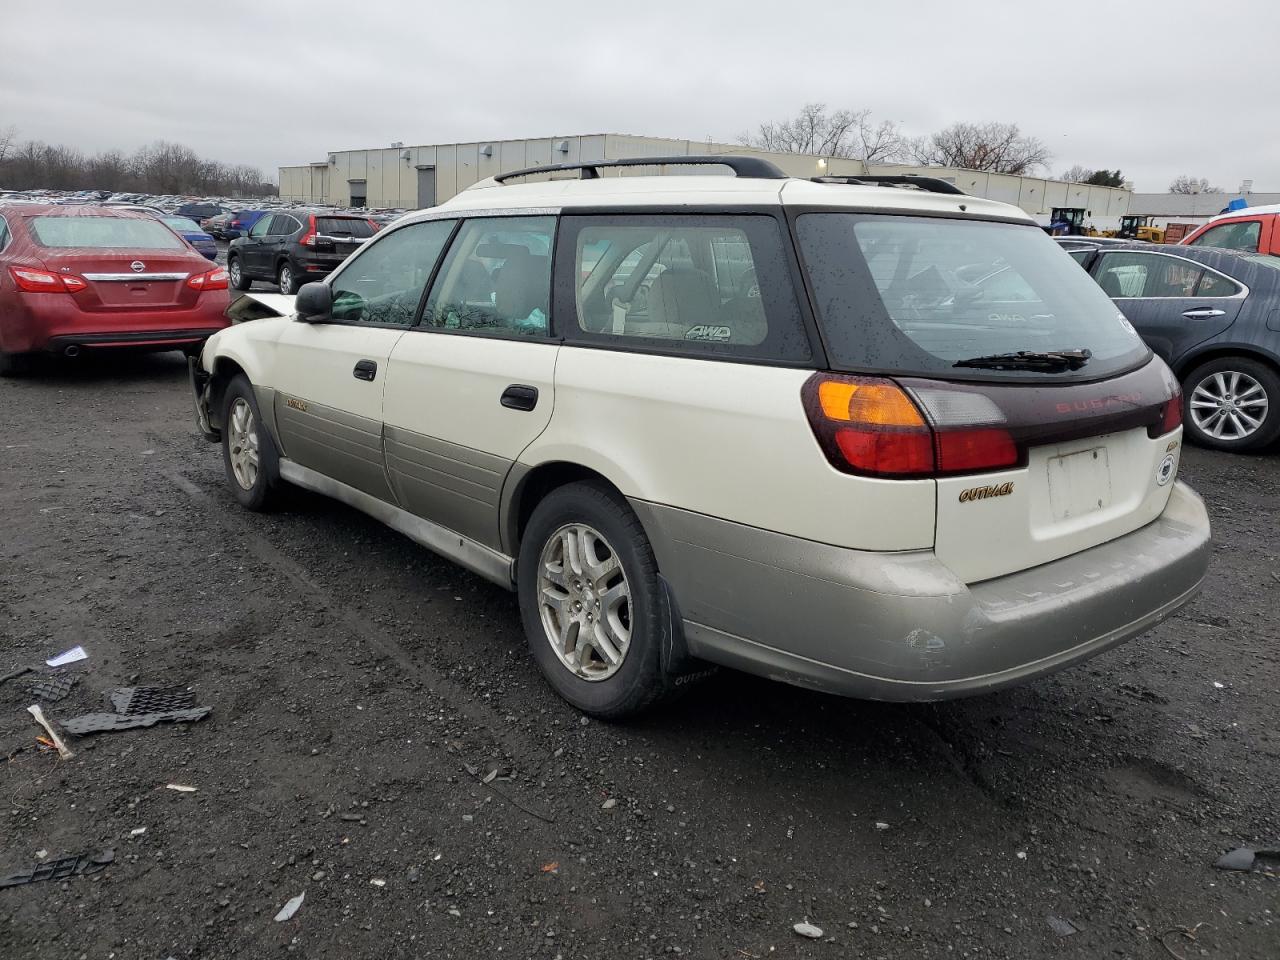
{"x": 753, "y": 167}
{"x": 929, "y": 184}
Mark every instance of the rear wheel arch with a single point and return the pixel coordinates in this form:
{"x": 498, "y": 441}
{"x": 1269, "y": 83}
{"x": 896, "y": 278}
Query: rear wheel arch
{"x": 1190, "y": 363}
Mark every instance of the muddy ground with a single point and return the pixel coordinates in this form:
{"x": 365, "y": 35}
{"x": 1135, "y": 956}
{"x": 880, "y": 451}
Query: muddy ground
{"x": 363, "y": 691}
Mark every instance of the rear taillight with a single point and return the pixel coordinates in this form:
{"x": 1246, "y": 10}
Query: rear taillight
{"x": 871, "y": 426}
{"x": 32, "y": 280}
{"x": 1171, "y": 415}
{"x": 234, "y": 224}
{"x": 213, "y": 280}
{"x": 309, "y": 238}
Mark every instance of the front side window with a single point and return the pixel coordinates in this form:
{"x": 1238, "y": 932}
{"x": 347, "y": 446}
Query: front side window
{"x": 383, "y": 283}
{"x": 496, "y": 278}
{"x": 1242, "y": 236}
{"x": 709, "y": 284}
{"x": 260, "y": 228}
{"x": 104, "y": 233}
{"x": 925, "y": 296}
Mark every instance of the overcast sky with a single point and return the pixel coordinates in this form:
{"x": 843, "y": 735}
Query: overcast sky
{"x": 1155, "y": 87}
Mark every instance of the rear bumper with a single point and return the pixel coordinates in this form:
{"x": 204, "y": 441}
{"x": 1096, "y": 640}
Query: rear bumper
{"x": 902, "y": 626}
{"x": 53, "y": 322}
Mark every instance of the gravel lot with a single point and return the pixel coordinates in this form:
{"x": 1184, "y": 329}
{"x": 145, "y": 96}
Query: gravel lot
{"x": 363, "y": 691}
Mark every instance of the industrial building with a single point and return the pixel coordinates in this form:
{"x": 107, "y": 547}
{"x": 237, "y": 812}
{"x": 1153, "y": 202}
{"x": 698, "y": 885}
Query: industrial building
{"x": 1192, "y": 208}
{"x": 412, "y": 177}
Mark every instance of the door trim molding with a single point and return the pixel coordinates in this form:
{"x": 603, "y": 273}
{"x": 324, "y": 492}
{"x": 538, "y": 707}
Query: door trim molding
{"x": 493, "y": 566}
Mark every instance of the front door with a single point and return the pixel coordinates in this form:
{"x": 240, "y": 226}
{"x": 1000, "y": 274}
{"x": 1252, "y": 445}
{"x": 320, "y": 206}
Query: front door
{"x": 251, "y": 250}
{"x": 1173, "y": 303}
{"x": 332, "y": 375}
{"x": 472, "y": 386}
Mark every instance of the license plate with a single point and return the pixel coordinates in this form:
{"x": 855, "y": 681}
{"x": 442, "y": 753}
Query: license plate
{"x": 1079, "y": 483}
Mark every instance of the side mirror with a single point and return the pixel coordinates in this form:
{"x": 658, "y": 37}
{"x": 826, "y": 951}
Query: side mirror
{"x": 314, "y": 302}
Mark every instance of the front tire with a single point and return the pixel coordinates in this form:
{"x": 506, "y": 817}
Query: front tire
{"x": 288, "y": 279}
{"x": 1232, "y": 403}
{"x": 236, "y": 276}
{"x": 248, "y": 452}
{"x": 592, "y": 603}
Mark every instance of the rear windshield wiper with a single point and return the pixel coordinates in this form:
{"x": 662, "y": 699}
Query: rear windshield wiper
{"x": 1050, "y": 361}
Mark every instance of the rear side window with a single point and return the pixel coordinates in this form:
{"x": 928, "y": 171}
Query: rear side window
{"x": 1135, "y": 275}
{"x": 4, "y": 233}
{"x": 920, "y": 295}
{"x": 282, "y": 226}
{"x": 1232, "y": 236}
{"x": 344, "y": 227}
{"x": 496, "y": 278}
{"x": 104, "y": 232}
{"x": 704, "y": 284}
{"x": 383, "y": 283}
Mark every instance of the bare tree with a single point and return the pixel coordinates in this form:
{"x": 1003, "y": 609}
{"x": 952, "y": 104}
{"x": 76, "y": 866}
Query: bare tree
{"x": 1077, "y": 174}
{"x": 994, "y": 147}
{"x": 842, "y": 133}
{"x": 1186, "y": 184}
{"x": 8, "y": 135}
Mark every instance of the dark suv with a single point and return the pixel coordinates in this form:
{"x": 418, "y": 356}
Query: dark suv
{"x": 295, "y": 247}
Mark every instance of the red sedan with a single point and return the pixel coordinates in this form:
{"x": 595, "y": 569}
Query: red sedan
{"x": 77, "y": 278}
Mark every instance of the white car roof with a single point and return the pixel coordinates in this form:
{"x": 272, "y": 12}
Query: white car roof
{"x": 1247, "y": 211}
{"x": 669, "y": 191}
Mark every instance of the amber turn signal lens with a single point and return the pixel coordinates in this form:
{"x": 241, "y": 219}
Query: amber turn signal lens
{"x": 869, "y": 403}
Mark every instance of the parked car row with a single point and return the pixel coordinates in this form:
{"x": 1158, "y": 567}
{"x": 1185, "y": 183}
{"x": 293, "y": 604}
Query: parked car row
{"x": 291, "y": 248}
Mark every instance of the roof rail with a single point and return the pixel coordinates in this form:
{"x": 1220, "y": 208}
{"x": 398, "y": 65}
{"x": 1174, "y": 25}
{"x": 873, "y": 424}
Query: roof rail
{"x": 741, "y": 166}
{"x": 929, "y": 184}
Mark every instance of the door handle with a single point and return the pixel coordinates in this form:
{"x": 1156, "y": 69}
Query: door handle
{"x": 519, "y": 396}
{"x": 365, "y": 370}
{"x": 1204, "y": 313}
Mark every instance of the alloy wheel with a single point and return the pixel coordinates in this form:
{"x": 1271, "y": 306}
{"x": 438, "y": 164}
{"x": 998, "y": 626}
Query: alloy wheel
{"x": 242, "y": 442}
{"x": 584, "y": 602}
{"x": 1228, "y": 405}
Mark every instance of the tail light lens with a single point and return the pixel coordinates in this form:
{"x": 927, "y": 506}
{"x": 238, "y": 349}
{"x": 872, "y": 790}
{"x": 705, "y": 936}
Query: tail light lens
{"x": 32, "y": 280}
{"x": 872, "y": 427}
{"x": 213, "y": 280}
{"x": 309, "y": 238}
{"x": 1171, "y": 415}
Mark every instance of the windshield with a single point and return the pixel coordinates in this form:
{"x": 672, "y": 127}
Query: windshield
{"x": 182, "y": 224}
{"x": 918, "y": 295}
{"x": 104, "y": 232}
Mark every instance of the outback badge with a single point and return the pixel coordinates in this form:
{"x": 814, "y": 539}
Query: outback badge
{"x": 983, "y": 493}
{"x": 295, "y": 404}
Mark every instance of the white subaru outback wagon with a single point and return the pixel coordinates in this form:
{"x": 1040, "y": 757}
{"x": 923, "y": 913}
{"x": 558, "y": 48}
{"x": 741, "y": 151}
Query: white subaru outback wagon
{"x": 872, "y": 437}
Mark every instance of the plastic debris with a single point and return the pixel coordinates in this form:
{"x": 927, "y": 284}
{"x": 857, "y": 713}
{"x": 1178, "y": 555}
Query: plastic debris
{"x": 1217, "y": 685}
{"x": 106, "y": 722}
{"x": 290, "y": 908}
{"x": 73, "y": 655}
{"x": 1063, "y": 928}
{"x": 881, "y": 825}
{"x": 609, "y": 804}
{"x": 1239, "y": 859}
{"x": 378, "y": 882}
{"x": 61, "y": 869}
{"x": 52, "y": 688}
{"x": 142, "y": 700}
{"x": 551, "y": 867}
{"x": 180, "y": 787}
{"x": 63, "y": 751}
{"x": 137, "y": 831}
{"x": 807, "y": 929}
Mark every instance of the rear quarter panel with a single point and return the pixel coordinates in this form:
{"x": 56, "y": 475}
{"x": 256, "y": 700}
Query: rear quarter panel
{"x": 729, "y": 440}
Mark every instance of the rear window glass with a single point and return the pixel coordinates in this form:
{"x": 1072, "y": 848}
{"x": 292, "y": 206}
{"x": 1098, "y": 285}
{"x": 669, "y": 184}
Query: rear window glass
{"x": 183, "y": 225}
{"x": 103, "y": 232}
{"x": 343, "y": 227}
{"x": 918, "y": 295}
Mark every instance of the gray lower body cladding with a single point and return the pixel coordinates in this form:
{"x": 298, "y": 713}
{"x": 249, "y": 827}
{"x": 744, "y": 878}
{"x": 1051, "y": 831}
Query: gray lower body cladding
{"x": 333, "y": 442}
{"x": 902, "y": 626}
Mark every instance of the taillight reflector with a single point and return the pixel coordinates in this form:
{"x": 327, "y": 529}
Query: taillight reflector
{"x": 33, "y": 280}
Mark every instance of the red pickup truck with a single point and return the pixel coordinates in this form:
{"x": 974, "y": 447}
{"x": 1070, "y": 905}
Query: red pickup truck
{"x": 1251, "y": 230}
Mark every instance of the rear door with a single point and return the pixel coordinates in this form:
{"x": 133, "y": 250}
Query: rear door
{"x": 1174, "y": 303}
{"x": 472, "y": 386}
{"x": 331, "y": 376}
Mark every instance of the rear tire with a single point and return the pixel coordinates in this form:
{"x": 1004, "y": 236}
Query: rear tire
{"x": 248, "y": 452}
{"x": 287, "y": 278}
{"x": 592, "y": 603}
{"x": 236, "y": 276}
{"x": 1232, "y": 403}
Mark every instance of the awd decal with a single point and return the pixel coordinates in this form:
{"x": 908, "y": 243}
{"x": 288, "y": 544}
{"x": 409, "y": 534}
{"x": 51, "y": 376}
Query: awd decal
{"x": 295, "y": 404}
{"x": 983, "y": 493}
{"x": 703, "y": 331}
